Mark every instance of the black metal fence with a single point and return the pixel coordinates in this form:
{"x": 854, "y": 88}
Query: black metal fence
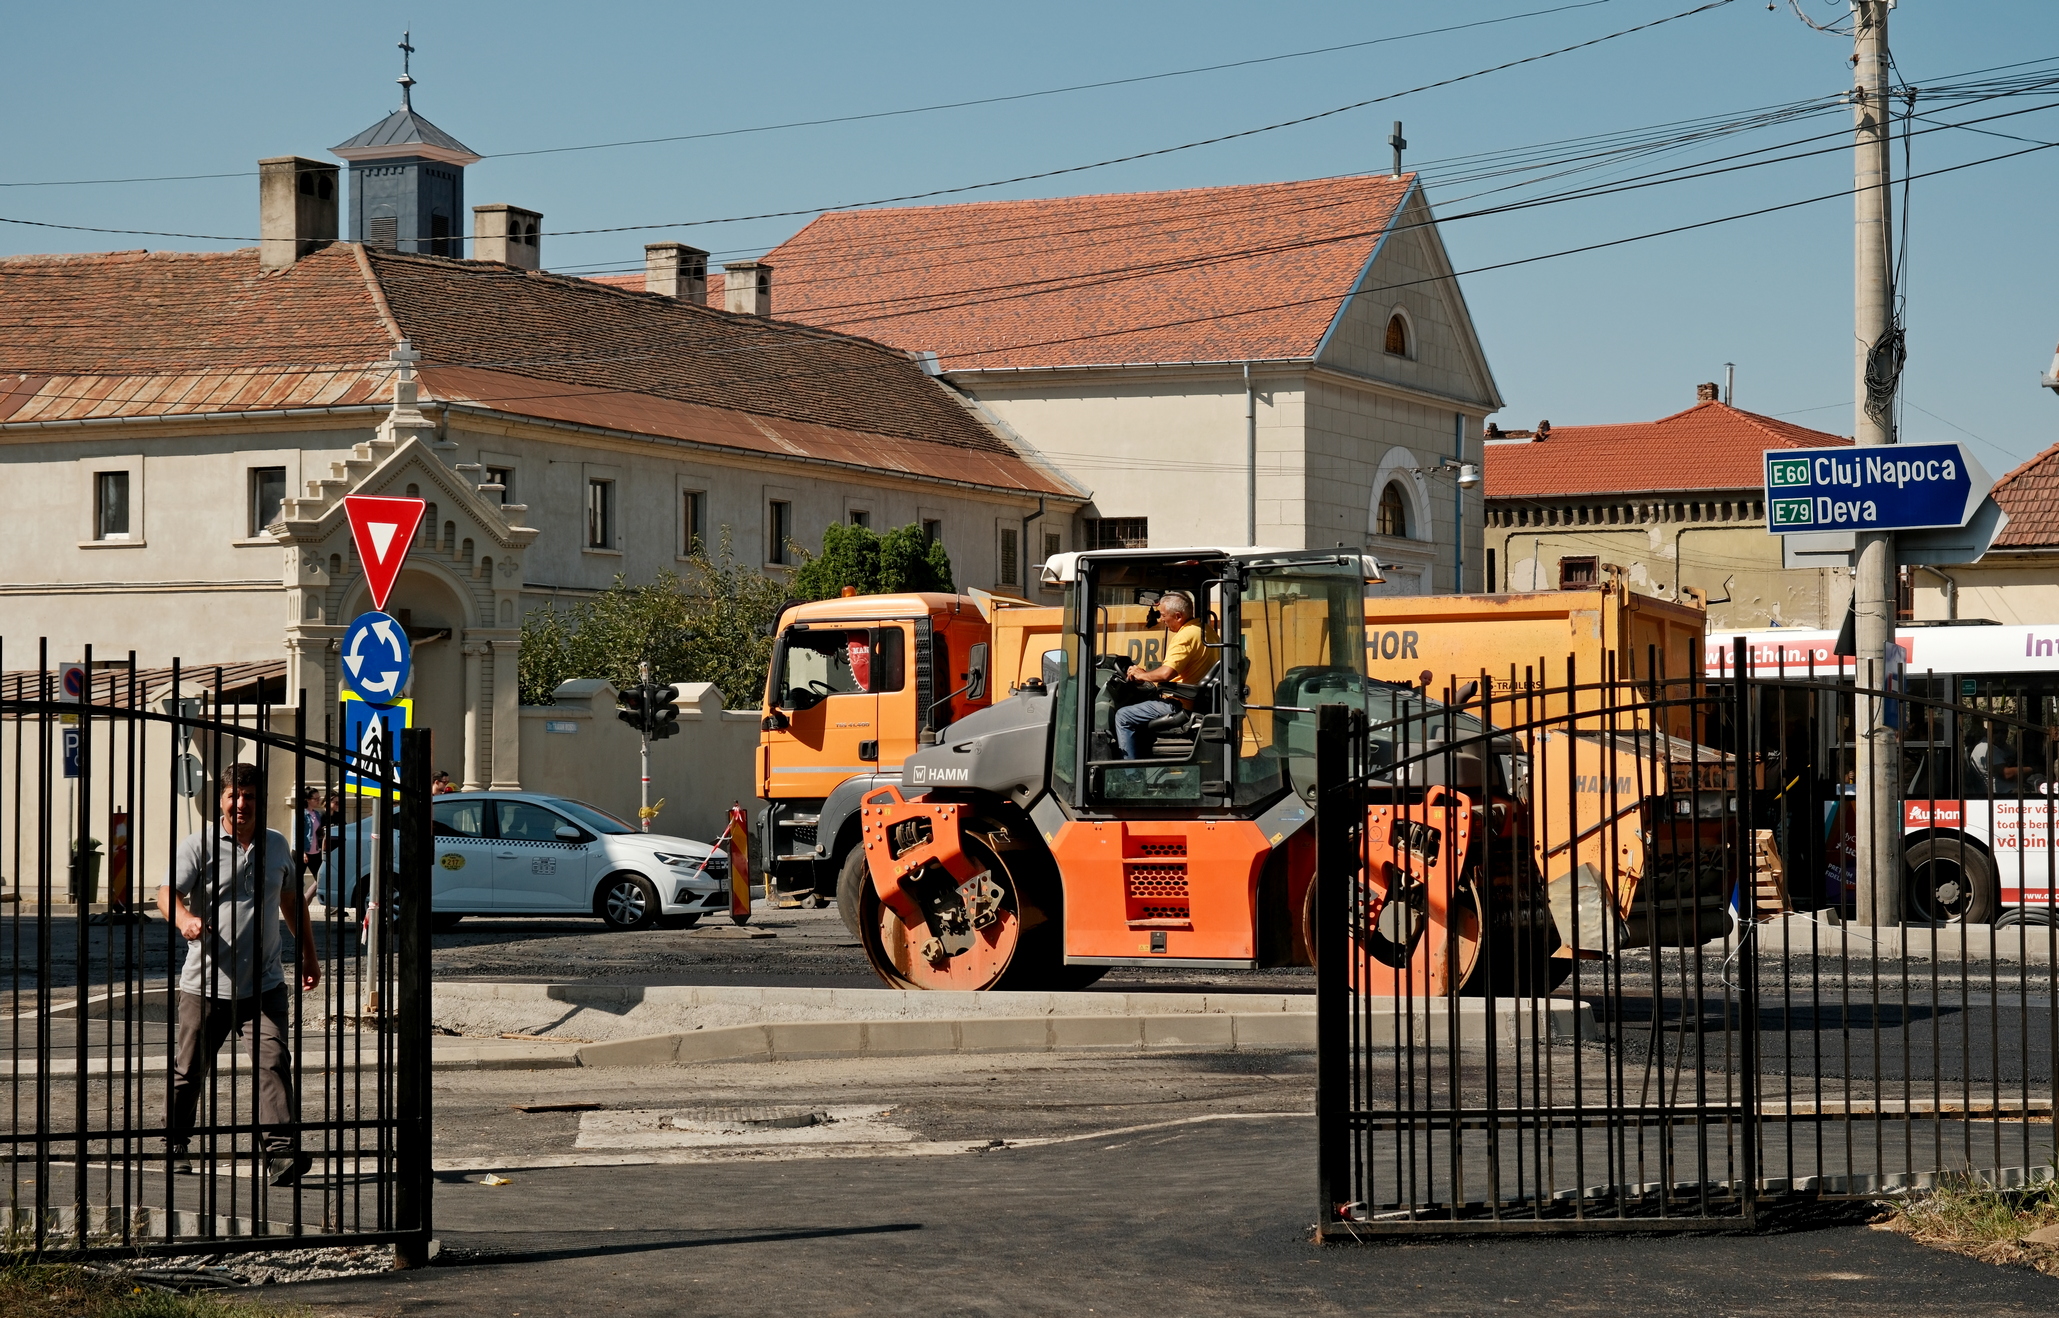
{"x": 1588, "y": 954}
{"x": 310, "y": 1124}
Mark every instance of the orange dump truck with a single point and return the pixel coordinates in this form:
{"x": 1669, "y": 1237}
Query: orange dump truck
{"x": 1609, "y": 772}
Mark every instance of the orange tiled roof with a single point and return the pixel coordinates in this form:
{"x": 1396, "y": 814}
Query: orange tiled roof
{"x": 1205, "y": 274}
{"x": 1710, "y": 446}
{"x": 2030, "y": 495}
{"x": 170, "y": 333}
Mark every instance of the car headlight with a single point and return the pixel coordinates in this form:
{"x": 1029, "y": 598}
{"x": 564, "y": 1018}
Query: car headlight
{"x": 666, "y": 858}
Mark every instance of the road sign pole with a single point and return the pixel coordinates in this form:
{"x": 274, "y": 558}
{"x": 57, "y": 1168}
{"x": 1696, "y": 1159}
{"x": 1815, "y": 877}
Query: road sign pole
{"x": 643, "y": 741}
{"x": 1877, "y": 773}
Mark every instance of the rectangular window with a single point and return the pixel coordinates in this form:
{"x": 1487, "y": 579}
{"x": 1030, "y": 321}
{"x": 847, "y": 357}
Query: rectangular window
{"x": 1008, "y": 556}
{"x": 110, "y": 505}
{"x": 600, "y": 514}
{"x": 932, "y": 530}
{"x": 267, "y": 492}
{"x": 383, "y": 231}
{"x": 859, "y": 517}
{"x": 1490, "y": 572}
{"x": 1118, "y": 533}
{"x": 779, "y": 531}
{"x": 1576, "y": 573}
{"x": 503, "y": 477}
{"x": 1054, "y": 545}
{"x": 693, "y": 520}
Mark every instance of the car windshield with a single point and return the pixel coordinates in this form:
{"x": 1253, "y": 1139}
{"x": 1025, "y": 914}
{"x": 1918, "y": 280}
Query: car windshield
{"x": 600, "y": 821}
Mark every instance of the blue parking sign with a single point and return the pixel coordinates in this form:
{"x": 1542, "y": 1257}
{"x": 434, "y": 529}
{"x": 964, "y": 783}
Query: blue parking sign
{"x": 371, "y": 734}
{"x": 71, "y": 751}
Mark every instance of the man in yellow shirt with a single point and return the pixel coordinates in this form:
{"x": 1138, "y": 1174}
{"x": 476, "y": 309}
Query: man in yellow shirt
{"x": 1187, "y": 660}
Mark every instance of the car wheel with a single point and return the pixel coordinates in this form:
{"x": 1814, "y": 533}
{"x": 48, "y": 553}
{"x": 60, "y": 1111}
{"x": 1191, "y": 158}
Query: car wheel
{"x": 1951, "y": 881}
{"x": 443, "y": 922}
{"x": 686, "y": 921}
{"x": 627, "y": 902}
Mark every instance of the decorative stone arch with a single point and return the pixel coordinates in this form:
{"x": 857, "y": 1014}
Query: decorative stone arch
{"x": 468, "y": 642}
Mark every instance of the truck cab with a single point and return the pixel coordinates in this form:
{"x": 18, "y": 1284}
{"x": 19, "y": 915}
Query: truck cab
{"x": 855, "y": 684}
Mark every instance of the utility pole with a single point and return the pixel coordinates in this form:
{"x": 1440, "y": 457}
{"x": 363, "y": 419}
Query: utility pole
{"x": 1877, "y": 367}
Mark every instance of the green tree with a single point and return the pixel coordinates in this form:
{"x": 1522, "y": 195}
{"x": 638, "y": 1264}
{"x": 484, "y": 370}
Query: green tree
{"x": 712, "y": 624}
{"x": 904, "y": 559}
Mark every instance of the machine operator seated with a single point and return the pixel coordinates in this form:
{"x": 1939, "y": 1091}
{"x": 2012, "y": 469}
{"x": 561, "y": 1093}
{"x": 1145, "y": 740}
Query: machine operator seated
{"x": 1187, "y": 661}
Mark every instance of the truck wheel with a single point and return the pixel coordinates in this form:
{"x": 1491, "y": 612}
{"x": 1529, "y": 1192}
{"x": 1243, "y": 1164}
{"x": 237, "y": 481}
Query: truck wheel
{"x": 852, "y": 881}
{"x": 1013, "y": 950}
{"x": 1951, "y": 881}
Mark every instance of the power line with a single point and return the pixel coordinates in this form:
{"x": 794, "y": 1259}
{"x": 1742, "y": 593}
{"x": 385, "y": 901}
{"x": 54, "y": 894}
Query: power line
{"x": 910, "y": 110}
{"x": 1019, "y": 178}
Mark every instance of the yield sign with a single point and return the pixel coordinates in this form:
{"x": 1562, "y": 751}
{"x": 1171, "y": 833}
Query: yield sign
{"x": 383, "y": 528}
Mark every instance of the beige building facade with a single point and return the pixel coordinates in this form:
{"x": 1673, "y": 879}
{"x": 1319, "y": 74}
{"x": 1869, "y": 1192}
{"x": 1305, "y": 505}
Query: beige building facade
{"x": 1674, "y": 505}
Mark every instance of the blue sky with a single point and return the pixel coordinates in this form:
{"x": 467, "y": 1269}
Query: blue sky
{"x": 123, "y": 90}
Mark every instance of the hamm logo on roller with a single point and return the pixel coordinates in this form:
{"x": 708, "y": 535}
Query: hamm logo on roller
{"x": 923, "y": 773}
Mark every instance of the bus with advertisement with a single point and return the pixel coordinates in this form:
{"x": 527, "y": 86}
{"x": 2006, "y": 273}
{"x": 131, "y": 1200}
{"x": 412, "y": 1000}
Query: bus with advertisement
{"x": 1977, "y": 772}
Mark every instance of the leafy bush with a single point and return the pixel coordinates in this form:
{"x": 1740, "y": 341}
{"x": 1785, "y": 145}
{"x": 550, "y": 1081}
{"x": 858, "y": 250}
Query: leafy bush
{"x": 711, "y": 624}
{"x": 901, "y": 560}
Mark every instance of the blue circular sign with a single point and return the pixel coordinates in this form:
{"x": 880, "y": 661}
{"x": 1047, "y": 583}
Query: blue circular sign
{"x": 376, "y": 657}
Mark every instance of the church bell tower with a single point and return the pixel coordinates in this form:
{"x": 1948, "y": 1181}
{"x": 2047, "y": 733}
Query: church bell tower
{"x": 407, "y": 179}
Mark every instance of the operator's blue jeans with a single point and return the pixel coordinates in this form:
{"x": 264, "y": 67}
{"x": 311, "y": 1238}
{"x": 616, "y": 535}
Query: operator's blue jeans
{"x": 1131, "y": 717}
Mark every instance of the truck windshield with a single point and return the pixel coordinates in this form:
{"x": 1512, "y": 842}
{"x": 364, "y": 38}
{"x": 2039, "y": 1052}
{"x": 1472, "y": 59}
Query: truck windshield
{"x": 834, "y": 661}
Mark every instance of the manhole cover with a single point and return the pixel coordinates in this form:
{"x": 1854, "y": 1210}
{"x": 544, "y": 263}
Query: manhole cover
{"x": 752, "y": 1118}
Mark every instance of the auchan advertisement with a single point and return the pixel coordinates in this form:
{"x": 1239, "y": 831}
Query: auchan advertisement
{"x": 1932, "y": 649}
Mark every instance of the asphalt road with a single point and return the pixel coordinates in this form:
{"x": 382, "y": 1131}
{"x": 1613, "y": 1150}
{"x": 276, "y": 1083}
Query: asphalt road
{"x": 1185, "y": 1199}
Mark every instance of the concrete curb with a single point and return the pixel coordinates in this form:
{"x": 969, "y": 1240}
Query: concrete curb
{"x": 798, "y": 1040}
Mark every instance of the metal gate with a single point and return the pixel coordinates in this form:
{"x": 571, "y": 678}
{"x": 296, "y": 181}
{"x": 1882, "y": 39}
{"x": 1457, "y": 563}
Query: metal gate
{"x": 1587, "y": 956}
{"x": 105, "y": 769}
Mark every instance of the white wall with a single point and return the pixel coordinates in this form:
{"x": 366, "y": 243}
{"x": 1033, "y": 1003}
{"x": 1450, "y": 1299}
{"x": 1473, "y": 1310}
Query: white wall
{"x": 697, "y": 773}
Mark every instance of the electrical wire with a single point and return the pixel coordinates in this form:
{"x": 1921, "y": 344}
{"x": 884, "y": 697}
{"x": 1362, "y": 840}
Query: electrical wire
{"x": 910, "y": 110}
{"x": 1705, "y": 7}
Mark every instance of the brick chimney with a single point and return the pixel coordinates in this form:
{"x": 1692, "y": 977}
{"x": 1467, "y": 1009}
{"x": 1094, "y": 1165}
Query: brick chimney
{"x": 1707, "y": 393}
{"x": 747, "y": 287}
{"x": 676, "y": 270}
{"x": 507, "y": 234}
{"x": 296, "y": 209}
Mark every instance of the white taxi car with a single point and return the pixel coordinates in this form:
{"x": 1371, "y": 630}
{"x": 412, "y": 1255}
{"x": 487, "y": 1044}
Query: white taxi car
{"x": 524, "y": 853}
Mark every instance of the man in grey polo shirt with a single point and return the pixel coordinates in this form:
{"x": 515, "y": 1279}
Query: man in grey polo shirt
{"x": 226, "y": 884}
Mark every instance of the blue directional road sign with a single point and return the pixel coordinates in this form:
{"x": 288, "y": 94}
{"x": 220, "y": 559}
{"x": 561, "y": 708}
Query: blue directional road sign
{"x": 371, "y": 733}
{"x": 1892, "y": 487}
{"x": 376, "y": 657}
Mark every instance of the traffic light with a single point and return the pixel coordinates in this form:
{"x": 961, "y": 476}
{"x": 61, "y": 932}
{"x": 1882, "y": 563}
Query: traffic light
{"x": 663, "y": 705}
{"x": 630, "y": 707}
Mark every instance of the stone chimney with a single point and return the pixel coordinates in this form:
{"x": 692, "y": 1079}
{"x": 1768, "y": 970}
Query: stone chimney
{"x": 1707, "y": 393}
{"x": 296, "y": 209}
{"x": 1544, "y": 430}
{"x": 676, "y": 270}
{"x": 507, "y": 234}
{"x": 747, "y": 287}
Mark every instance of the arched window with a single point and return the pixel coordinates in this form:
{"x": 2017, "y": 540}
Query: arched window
{"x": 1397, "y": 336}
{"x": 1393, "y": 518}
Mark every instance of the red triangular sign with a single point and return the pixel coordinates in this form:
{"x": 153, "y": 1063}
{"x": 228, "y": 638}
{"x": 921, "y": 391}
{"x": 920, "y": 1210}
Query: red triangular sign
{"x": 383, "y": 528}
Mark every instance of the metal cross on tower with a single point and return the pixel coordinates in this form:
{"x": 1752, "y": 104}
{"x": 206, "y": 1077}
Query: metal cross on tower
{"x": 406, "y": 79}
